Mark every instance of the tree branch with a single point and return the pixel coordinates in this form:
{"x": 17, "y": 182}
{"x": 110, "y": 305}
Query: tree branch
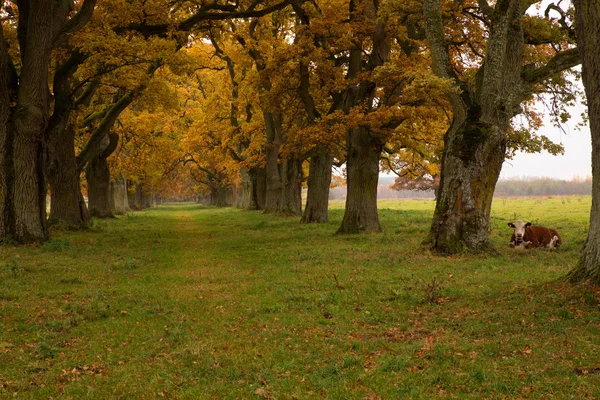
{"x": 434, "y": 31}
{"x": 206, "y": 13}
{"x": 113, "y": 141}
{"x": 77, "y": 22}
{"x": 560, "y": 62}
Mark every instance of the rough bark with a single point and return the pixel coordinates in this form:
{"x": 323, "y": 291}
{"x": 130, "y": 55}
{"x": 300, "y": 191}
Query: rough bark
{"x": 30, "y": 118}
{"x": 98, "y": 177}
{"x": 363, "y": 148}
{"x": 6, "y": 138}
{"x": 259, "y": 179}
{"x": 41, "y": 25}
{"x": 66, "y": 207}
{"x": 119, "y": 200}
{"x": 134, "y": 196}
{"x": 291, "y": 196}
{"x": 220, "y": 196}
{"x": 63, "y": 174}
{"x": 148, "y": 200}
{"x": 472, "y": 162}
{"x": 319, "y": 182}
{"x": 274, "y": 182}
{"x": 587, "y": 19}
{"x": 362, "y": 166}
{"x": 475, "y": 144}
{"x": 245, "y": 197}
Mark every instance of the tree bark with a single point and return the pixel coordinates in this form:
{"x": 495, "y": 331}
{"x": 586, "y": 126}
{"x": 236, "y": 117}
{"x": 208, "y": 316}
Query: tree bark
{"x": 475, "y": 144}
{"x": 259, "y": 183}
{"x": 66, "y": 206}
{"x": 118, "y": 190}
{"x": 471, "y": 164}
{"x": 30, "y": 118}
{"x": 587, "y": 21}
{"x": 148, "y": 200}
{"x": 291, "y": 196}
{"x": 245, "y": 191}
{"x": 362, "y": 167}
{"x": 274, "y": 182}
{"x": 41, "y": 25}
{"x": 220, "y": 196}
{"x": 98, "y": 179}
{"x": 6, "y": 139}
{"x": 363, "y": 148}
{"x": 319, "y": 182}
{"x": 134, "y": 197}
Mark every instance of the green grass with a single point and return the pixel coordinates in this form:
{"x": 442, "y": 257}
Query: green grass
{"x": 185, "y": 301}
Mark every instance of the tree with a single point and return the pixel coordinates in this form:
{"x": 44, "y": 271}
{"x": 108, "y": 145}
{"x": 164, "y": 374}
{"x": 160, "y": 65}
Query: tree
{"x": 587, "y": 25}
{"x": 40, "y": 25}
{"x": 519, "y": 55}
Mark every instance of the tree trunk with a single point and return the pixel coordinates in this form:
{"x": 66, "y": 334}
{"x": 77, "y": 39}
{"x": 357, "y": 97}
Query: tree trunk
{"x": 245, "y": 191}
{"x": 319, "y": 182}
{"x": 274, "y": 181}
{"x": 587, "y": 21}
{"x": 148, "y": 200}
{"x": 290, "y": 202}
{"x": 471, "y": 163}
{"x": 29, "y": 121}
{"x": 6, "y": 139}
{"x": 259, "y": 183}
{"x": 220, "y": 196}
{"x": 40, "y": 25}
{"x": 118, "y": 190}
{"x": 134, "y": 197}
{"x": 98, "y": 179}
{"x": 66, "y": 207}
{"x": 362, "y": 166}
{"x": 475, "y": 143}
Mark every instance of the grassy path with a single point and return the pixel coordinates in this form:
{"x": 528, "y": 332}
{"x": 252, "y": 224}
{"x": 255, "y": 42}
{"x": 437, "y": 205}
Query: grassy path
{"x": 184, "y": 301}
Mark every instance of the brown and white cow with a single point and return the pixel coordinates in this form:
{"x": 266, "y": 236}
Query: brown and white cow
{"x": 526, "y": 236}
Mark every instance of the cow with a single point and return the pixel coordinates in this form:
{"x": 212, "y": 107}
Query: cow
{"x": 526, "y": 236}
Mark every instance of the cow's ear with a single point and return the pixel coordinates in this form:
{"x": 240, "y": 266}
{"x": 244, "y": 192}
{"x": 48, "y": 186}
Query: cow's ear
{"x": 527, "y": 224}
{"x": 511, "y": 224}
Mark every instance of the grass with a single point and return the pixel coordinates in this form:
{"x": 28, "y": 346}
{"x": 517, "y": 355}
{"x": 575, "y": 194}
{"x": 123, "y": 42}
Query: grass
{"x": 184, "y": 301}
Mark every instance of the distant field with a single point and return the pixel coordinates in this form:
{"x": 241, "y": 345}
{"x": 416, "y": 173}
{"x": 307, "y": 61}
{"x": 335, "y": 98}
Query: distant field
{"x": 192, "y": 302}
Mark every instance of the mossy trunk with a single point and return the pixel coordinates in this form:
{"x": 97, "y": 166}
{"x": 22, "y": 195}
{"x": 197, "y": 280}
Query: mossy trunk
{"x": 362, "y": 165}
{"x": 587, "y": 20}
{"x": 471, "y": 164}
{"x": 319, "y": 182}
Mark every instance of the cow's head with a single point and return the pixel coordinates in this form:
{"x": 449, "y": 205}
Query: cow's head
{"x": 519, "y": 227}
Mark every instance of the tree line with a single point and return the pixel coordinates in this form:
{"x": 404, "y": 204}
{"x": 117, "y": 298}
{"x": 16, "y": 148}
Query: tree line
{"x": 262, "y": 97}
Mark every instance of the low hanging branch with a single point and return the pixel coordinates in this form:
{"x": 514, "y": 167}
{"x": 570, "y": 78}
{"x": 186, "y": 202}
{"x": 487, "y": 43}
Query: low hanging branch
{"x": 208, "y": 12}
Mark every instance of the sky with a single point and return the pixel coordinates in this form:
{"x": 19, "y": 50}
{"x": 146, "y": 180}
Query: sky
{"x": 576, "y": 162}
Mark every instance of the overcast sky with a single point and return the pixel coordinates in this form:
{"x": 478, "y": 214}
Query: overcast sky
{"x": 576, "y": 162}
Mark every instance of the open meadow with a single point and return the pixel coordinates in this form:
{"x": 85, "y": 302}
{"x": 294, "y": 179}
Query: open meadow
{"x": 190, "y": 302}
